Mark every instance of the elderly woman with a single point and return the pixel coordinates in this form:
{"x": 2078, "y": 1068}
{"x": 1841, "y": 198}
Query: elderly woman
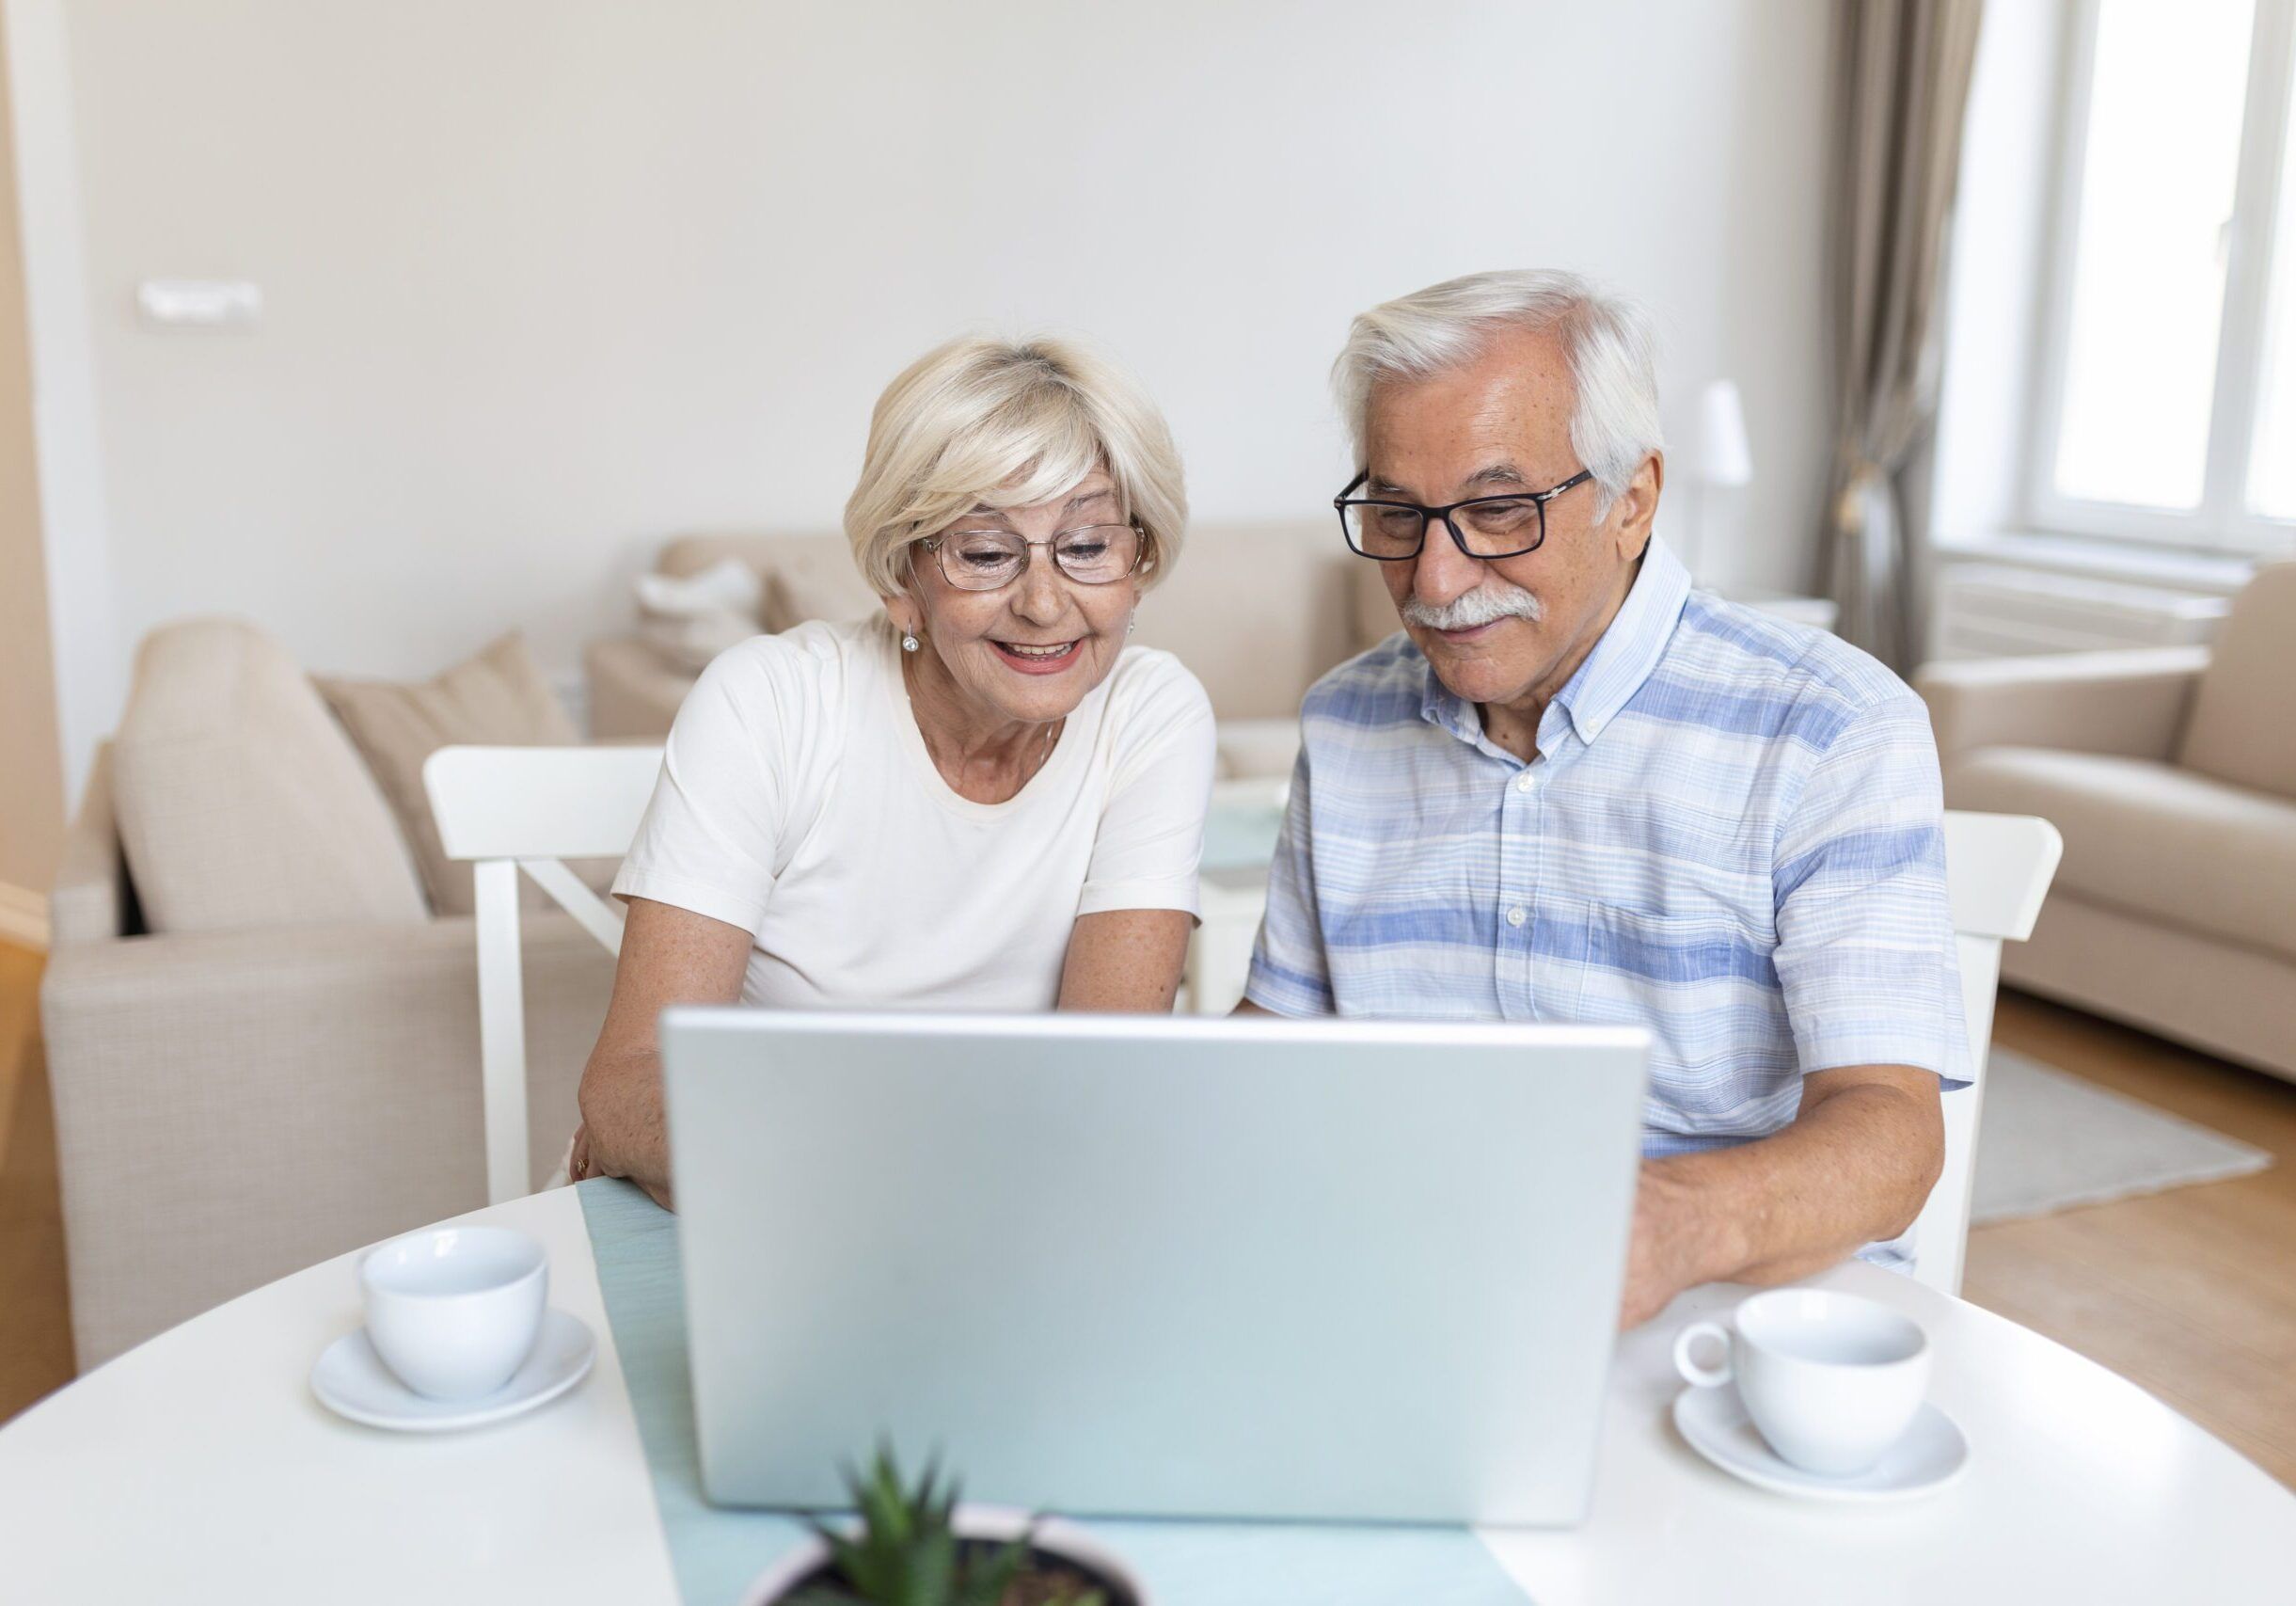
{"x": 981, "y": 798}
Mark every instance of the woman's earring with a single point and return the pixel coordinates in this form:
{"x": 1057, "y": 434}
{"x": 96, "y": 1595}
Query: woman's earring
{"x": 908, "y": 643}
{"x": 1128, "y": 626}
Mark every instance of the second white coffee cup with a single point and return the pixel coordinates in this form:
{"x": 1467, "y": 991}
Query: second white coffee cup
{"x": 454, "y": 1311}
{"x": 1832, "y": 1381}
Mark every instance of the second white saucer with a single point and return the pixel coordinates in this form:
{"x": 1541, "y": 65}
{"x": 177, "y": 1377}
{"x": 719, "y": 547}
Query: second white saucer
{"x": 352, "y": 1381}
{"x": 1713, "y": 1422}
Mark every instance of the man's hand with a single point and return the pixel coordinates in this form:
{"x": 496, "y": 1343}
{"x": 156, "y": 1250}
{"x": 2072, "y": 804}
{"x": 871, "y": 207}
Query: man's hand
{"x": 1672, "y": 1243}
{"x": 1853, "y": 1167}
{"x": 577, "y": 1158}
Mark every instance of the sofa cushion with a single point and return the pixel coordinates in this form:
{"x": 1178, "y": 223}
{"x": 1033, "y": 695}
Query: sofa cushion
{"x": 1256, "y": 612}
{"x": 495, "y": 699}
{"x": 1255, "y": 749}
{"x": 829, "y": 589}
{"x": 687, "y": 620}
{"x": 804, "y": 576}
{"x": 2243, "y": 726}
{"x": 241, "y": 804}
{"x": 1376, "y": 617}
{"x": 2150, "y": 839}
{"x": 634, "y": 696}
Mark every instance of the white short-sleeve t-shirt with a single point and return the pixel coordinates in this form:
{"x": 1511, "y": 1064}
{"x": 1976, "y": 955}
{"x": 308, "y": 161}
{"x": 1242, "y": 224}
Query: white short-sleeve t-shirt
{"x": 798, "y": 801}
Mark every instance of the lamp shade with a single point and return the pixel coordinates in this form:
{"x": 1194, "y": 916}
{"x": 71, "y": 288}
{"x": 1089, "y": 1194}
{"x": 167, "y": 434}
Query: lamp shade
{"x": 1722, "y": 457}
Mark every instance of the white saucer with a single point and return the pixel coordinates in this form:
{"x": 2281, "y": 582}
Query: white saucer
{"x": 352, "y": 1381}
{"x": 1931, "y": 1456}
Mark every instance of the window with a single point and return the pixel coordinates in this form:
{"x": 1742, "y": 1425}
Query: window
{"x": 2168, "y": 386}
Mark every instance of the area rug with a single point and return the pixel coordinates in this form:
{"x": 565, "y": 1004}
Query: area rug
{"x": 2050, "y": 1141}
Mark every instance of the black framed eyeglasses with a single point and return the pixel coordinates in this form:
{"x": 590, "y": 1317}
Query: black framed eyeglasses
{"x": 991, "y": 560}
{"x": 1482, "y": 527}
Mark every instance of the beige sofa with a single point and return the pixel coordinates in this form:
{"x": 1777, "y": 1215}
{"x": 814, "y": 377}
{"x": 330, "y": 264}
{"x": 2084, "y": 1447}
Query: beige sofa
{"x": 289, "y": 1067}
{"x": 2172, "y": 773}
{"x": 1258, "y": 611}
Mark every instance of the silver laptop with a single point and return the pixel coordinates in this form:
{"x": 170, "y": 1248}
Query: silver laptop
{"x": 1155, "y": 1266}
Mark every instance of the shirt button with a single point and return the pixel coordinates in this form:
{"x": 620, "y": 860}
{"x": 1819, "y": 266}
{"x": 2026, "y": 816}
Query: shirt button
{"x": 1516, "y": 915}
{"x": 1525, "y": 784}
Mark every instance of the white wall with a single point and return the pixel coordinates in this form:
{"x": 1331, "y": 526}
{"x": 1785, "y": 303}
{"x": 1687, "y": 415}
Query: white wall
{"x": 546, "y": 280}
{"x": 88, "y": 649}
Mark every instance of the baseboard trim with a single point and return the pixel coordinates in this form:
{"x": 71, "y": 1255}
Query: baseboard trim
{"x": 24, "y": 916}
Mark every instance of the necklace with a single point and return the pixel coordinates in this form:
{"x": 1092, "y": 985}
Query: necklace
{"x": 1044, "y": 750}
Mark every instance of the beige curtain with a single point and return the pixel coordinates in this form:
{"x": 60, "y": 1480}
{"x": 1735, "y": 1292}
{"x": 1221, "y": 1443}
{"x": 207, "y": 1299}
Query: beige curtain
{"x": 1902, "y": 82}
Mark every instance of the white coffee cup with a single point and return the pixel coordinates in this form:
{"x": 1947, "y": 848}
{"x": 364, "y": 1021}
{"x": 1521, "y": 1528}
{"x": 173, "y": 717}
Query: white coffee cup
{"x": 1832, "y": 1381}
{"x": 454, "y": 1311}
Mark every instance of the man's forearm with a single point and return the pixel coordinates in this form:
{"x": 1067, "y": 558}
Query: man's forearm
{"x": 1852, "y": 1171}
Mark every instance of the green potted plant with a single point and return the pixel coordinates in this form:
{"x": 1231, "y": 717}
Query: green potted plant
{"x": 918, "y": 1547}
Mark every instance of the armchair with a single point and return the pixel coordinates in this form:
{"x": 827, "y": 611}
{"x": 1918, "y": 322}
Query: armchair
{"x": 2172, "y": 775}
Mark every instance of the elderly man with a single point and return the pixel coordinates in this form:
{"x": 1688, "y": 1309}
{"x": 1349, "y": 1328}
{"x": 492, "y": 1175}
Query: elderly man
{"x": 1575, "y": 790}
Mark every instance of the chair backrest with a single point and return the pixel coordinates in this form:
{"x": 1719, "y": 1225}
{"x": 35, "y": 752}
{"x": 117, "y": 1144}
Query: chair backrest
{"x": 511, "y": 809}
{"x": 1998, "y": 867}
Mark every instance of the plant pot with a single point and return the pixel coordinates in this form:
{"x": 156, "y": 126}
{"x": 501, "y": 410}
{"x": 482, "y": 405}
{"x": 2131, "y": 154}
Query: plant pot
{"x": 1056, "y": 1541}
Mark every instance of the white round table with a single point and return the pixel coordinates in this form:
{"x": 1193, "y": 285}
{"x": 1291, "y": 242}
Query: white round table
{"x": 199, "y": 1466}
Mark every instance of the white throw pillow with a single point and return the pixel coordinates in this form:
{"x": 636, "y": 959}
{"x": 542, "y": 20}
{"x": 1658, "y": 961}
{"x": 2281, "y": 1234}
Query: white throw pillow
{"x": 692, "y": 620}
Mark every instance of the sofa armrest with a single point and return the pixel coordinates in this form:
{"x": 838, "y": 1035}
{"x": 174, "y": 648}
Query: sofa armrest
{"x": 633, "y": 694}
{"x": 231, "y": 1107}
{"x": 2131, "y": 704}
{"x": 1255, "y": 749}
{"x": 90, "y": 903}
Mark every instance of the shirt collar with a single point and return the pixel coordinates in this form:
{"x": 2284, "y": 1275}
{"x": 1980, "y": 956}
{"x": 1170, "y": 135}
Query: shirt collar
{"x": 1624, "y": 657}
{"x": 1631, "y": 647}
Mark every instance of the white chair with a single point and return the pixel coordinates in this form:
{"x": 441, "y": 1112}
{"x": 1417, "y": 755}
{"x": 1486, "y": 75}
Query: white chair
{"x": 1998, "y": 867}
{"x": 507, "y": 809}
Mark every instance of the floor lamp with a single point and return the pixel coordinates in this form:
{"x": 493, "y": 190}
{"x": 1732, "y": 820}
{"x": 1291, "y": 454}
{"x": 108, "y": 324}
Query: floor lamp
{"x": 1719, "y": 460}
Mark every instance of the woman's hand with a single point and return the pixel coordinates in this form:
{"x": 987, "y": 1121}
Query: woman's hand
{"x": 669, "y": 956}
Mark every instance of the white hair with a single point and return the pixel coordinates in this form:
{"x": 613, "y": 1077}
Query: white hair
{"x": 1607, "y": 340}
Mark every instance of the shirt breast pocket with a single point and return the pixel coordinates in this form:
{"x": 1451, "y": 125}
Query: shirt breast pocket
{"x": 1697, "y": 981}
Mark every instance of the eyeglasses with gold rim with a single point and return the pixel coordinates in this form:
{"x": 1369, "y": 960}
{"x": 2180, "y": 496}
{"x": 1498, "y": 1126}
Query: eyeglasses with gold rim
{"x": 989, "y": 560}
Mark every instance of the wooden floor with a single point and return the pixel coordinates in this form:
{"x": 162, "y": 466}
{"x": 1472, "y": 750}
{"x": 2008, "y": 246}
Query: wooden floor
{"x": 35, "y": 1326}
{"x": 2191, "y": 1293}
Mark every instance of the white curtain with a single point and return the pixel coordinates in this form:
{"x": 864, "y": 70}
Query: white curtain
{"x": 1904, "y": 69}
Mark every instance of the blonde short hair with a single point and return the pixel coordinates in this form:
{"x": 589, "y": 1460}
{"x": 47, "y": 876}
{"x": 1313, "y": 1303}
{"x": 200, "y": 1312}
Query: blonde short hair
{"x": 1000, "y": 423}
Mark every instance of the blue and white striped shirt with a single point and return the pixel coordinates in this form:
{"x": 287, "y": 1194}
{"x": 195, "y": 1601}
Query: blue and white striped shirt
{"x": 1730, "y": 834}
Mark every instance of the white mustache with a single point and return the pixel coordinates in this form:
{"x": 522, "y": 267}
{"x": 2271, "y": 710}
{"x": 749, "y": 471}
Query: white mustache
{"x": 1488, "y": 602}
